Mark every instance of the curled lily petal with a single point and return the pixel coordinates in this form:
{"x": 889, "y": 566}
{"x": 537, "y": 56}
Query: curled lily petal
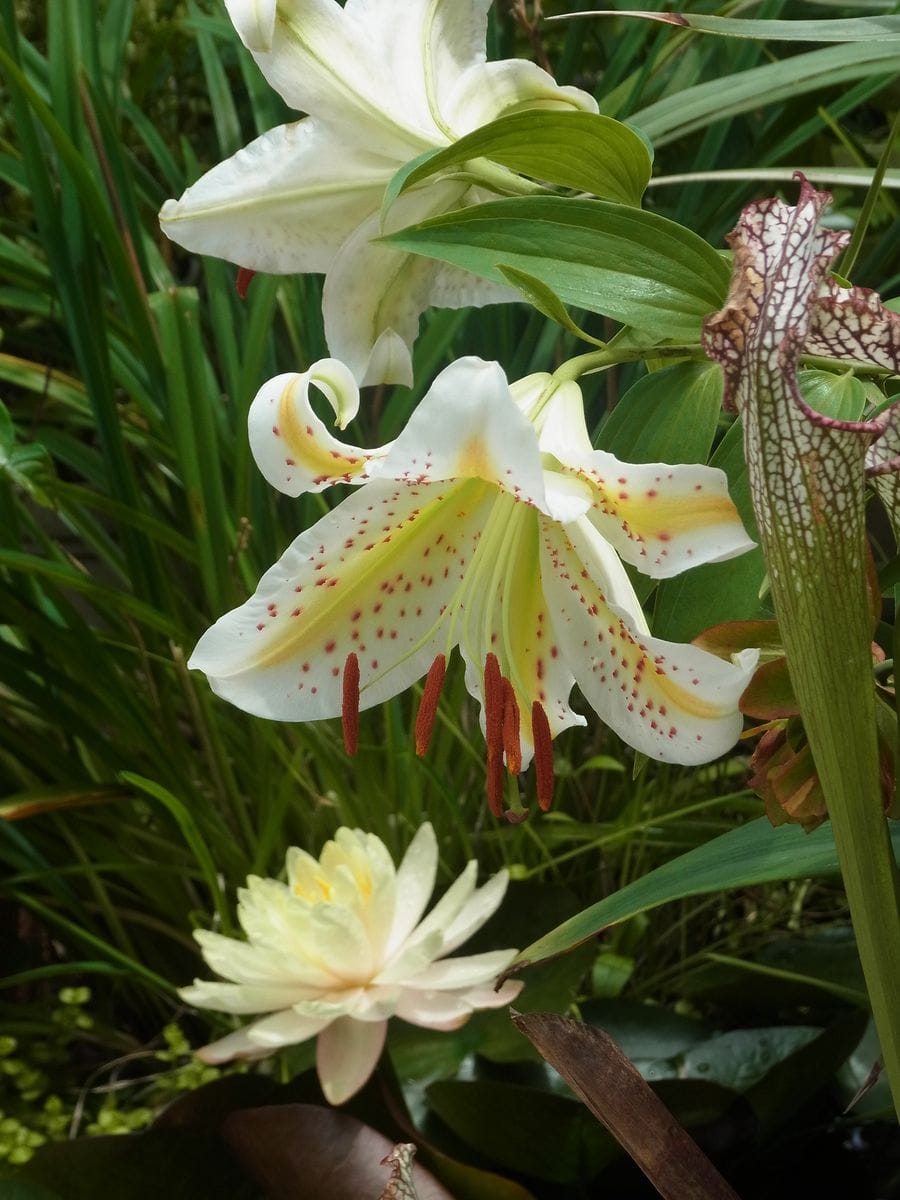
{"x": 291, "y": 446}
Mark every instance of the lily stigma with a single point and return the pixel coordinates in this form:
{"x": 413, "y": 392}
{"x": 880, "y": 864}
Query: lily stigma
{"x": 493, "y": 525}
{"x": 383, "y": 83}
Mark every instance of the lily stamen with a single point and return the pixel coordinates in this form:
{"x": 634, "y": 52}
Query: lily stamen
{"x": 350, "y": 706}
{"x": 243, "y": 281}
{"x": 427, "y": 713}
{"x": 543, "y": 755}
{"x": 511, "y": 740}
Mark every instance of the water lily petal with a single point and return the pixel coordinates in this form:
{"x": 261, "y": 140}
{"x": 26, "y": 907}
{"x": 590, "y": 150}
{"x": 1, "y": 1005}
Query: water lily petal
{"x": 260, "y": 1038}
{"x": 284, "y": 203}
{"x": 346, "y": 1055}
{"x": 434, "y": 1009}
{"x": 490, "y": 90}
{"x": 243, "y": 998}
{"x": 469, "y": 970}
{"x": 673, "y": 702}
{"x": 478, "y": 909}
{"x": 251, "y": 963}
{"x": 413, "y": 886}
{"x": 446, "y": 910}
{"x": 291, "y": 445}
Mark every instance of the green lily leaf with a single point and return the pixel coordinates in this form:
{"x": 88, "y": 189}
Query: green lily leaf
{"x": 753, "y": 854}
{"x": 668, "y": 416}
{"x": 577, "y": 150}
{"x": 848, "y": 29}
{"x": 633, "y": 266}
{"x": 696, "y": 107}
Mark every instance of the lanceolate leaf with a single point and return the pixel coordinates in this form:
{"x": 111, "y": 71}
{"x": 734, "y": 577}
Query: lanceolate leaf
{"x": 574, "y": 150}
{"x": 848, "y": 29}
{"x": 699, "y": 106}
{"x": 630, "y": 265}
{"x": 755, "y": 853}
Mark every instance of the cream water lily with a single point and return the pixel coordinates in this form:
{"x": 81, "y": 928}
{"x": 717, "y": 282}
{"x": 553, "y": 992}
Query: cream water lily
{"x": 383, "y": 82}
{"x": 341, "y": 947}
{"x": 493, "y": 525}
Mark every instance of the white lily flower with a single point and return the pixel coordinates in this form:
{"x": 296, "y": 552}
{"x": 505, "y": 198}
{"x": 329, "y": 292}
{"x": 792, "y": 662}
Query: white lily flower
{"x": 490, "y": 524}
{"x": 342, "y": 946}
{"x": 383, "y": 81}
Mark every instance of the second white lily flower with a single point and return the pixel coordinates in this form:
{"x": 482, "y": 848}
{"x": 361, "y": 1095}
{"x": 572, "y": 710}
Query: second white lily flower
{"x": 490, "y": 524}
{"x": 383, "y": 82}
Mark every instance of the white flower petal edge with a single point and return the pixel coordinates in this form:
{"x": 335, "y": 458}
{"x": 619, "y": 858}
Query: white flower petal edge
{"x": 382, "y": 81}
{"x": 492, "y": 525}
{"x": 386, "y": 962}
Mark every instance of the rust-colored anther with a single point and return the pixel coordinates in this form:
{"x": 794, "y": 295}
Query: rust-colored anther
{"x": 493, "y": 705}
{"x": 350, "y": 704}
{"x": 493, "y": 733}
{"x": 425, "y": 717}
{"x": 511, "y": 741}
{"x": 496, "y": 782}
{"x": 543, "y": 755}
{"x": 244, "y": 276}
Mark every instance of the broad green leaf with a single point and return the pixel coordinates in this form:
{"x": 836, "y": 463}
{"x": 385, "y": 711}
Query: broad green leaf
{"x": 525, "y": 1129}
{"x": 633, "y": 266}
{"x": 577, "y": 150}
{"x": 842, "y": 397}
{"x": 668, "y": 416}
{"x": 849, "y": 29}
{"x": 753, "y": 854}
{"x": 546, "y": 301}
{"x": 699, "y": 106}
{"x": 716, "y": 592}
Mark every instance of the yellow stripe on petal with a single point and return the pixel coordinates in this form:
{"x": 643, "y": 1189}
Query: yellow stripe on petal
{"x": 291, "y": 446}
{"x": 662, "y": 519}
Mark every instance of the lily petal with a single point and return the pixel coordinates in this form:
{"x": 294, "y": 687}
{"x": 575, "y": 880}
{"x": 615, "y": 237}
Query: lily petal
{"x": 374, "y": 294}
{"x": 250, "y": 963}
{"x": 292, "y": 447}
{"x": 673, "y": 702}
{"x": 487, "y": 91}
{"x": 254, "y": 21}
{"x": 370, "y": 578}
{"x": 324, "y": 60}
{"x": 346, "y": 1055}
{"x": 284, "y": 203}
{"x": 478, "y": 909}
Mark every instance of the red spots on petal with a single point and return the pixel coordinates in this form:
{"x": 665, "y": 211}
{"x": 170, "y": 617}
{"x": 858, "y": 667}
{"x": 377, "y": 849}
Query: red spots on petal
{"x": 329, "y": 646}
{"x": 664, "y": 537}
{"x": 350, "y": 704}
{"x": 260, "y": 625}
{"x": 651, "y": 494}
{"x": 427, "y": 713}
{"x": 554, "y": 652}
